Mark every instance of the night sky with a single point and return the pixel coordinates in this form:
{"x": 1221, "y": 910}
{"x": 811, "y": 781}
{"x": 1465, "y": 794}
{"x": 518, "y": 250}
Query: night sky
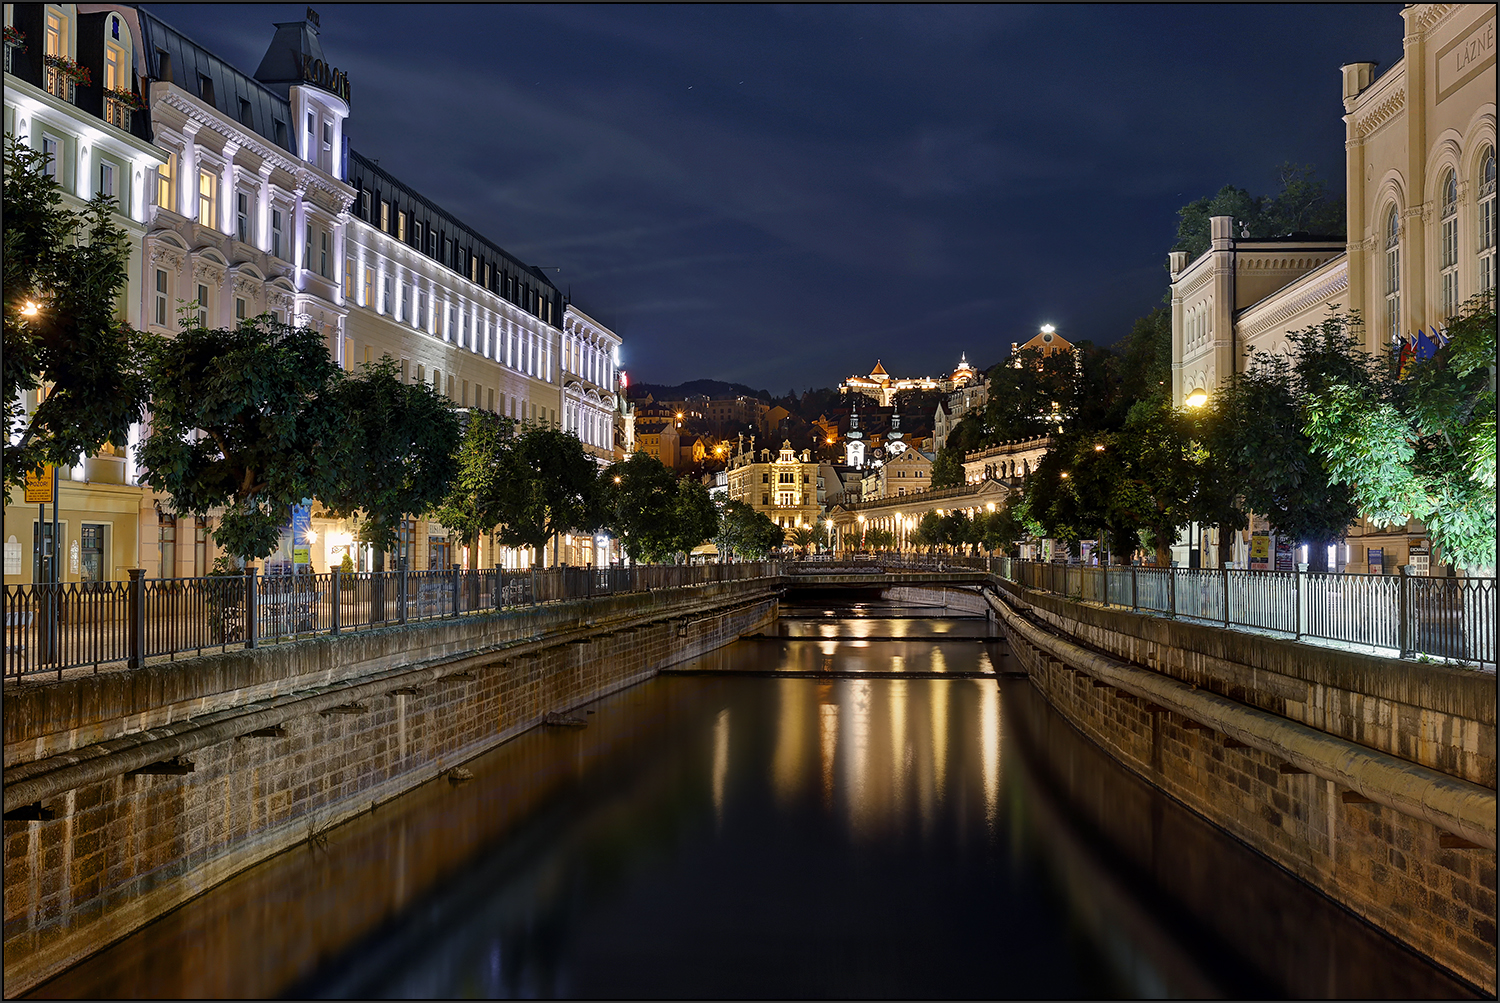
{"x": 780, "y": 195}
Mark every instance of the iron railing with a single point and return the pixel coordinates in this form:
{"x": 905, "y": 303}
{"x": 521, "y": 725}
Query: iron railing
{"x": 50, "y": 628}
{"x": 1413, "y": 616}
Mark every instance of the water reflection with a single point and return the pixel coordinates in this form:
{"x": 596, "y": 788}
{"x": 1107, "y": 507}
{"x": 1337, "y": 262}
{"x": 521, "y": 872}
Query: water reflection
{"x": 730, "y": 834}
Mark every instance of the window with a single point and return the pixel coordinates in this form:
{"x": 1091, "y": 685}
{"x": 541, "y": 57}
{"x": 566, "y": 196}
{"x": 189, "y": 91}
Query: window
{"x": 323, "y": 256}
{"x": 416, "y": 234}
{"x": 349, "y": 278}
{"x": 419, "y": 318}
{"x": 244, "y": 112}
{"x": 57, "y": 34}
{"x": 203, "y": 306}
{"x": 490, "y": 400}
{"x": 166, "y": 187}
{"x": 369, "y": 297}
{"x": 206, "y": 88}
{"x": 200, "y": 547}
{"x": 400, "y": 226}
{"x": 385, "y": 216}
{"x": 406, "y": 535}
{"x": 277, "y": 228}
{"x": 364, "y": 203}
{"x": 107, "y": 180}
{"x": 307, "y": 246}
{"x": 115, "y": 78}
{"x": 1450, "y": 244}
{"x": 208, "y": 188}
{"x": 161, "y": 298}
{"x": 327, "y": 161}
{"x": 1487, "y": 220}
{"x": 421, "y": 373}
{"x": 280, "y": 130}
{"x": 439, "y": 553}
{"x": 1393, "y": 274}
{"x": 91, "y": 565}
{"x": 166, "y": 546}
{"x": 242, "y": 217}
{"x": 465, "y": 399}
{"x": 239, "y": 308}
{"x": 312, "y": 136}
{"x": 50, "y": 149}
{"x": 385, "y": 294}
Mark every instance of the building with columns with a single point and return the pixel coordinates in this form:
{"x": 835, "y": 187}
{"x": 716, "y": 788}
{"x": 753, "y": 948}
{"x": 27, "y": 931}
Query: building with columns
{"x": 243, "y": 197}
{"x": 96, "y": 143}
{"x": 1420, "y": 241}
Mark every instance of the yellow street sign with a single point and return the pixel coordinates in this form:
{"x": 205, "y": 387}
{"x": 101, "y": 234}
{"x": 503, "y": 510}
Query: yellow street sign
{"x": 39, "y": 486}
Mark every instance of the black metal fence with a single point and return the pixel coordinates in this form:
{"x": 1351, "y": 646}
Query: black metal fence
{"x": 49, "y": 628}
{"x": 1449, "y": 618}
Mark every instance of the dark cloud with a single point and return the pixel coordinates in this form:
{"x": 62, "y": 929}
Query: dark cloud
{"x": 780, "y": 195}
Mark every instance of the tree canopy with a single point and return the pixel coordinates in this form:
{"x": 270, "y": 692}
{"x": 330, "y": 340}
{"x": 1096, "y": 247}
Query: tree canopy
{"x": 242, "y": 419}
{"x": 545, "y": 487}
{"x": 70, "y": 267}
{"x": 1303, "y": 204}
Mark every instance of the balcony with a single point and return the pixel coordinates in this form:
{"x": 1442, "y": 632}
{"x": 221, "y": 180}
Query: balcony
{"x": 58, "y": 83}
{"x": 117, "y": 113}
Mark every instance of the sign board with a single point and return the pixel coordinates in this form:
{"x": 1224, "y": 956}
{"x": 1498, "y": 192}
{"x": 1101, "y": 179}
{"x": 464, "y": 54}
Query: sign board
{"x": 39, "y": 486}
{"x": 1419, "y": 557}
{"x": 1260, "y": 551}
{"x": 1284, "y": 560}
{"x": 1375, "y": 560}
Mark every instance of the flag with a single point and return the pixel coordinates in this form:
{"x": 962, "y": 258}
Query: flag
{"x": 1403, "y": 361}
{"x": 1425, "y": 347}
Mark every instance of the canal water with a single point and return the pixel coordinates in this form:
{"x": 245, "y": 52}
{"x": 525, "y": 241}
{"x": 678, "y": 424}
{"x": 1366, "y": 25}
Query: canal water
{"x": 857, "y": 803}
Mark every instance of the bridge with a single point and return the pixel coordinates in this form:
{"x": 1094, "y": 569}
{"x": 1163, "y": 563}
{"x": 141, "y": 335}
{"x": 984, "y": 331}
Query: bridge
{"x": 1254, "y": 700}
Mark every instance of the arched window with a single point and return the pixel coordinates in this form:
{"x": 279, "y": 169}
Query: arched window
{"x": 1393, "y": 274}
{"x": 1449, "y": 273}
{"x": 1487, "y": 220}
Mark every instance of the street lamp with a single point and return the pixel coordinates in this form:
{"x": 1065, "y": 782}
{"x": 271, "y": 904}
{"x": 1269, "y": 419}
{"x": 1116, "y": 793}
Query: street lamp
{"x": 30, "y": 309}
{"x": 1197, "y": 398}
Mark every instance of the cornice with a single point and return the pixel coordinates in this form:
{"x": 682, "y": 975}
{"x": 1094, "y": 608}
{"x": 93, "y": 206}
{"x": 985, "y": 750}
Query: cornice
{"x": 1429, "y": 14}
{"x": 1367, "y": 123}
{"x": 1336, "y": 280}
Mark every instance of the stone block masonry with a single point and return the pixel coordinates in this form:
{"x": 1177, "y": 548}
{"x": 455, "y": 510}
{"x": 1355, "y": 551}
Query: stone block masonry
{"x": 285, "y": 742}
{"x": 1409, "y": 847}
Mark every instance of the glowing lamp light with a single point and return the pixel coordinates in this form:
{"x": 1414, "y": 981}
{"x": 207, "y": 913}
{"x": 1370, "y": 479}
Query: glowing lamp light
{"x": 1065, "y": 474}
{"x": 1048, "y": 329}
{"x": 617, "y": 480}
{"x": 1197, "y": 398}
{"x": 30, "y": 309}
{"x": 1098, "y": 447}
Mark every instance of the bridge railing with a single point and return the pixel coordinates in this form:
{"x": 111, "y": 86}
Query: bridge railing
{"x": 50, "y": 628}
{"x": 1450, "y": 618}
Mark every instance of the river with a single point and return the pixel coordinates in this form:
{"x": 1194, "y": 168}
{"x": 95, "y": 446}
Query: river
{"x": 859, "y": 803}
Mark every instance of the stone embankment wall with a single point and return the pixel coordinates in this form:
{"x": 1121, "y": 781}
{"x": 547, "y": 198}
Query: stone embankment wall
{"x": 1372, "y": 779}
{"x": 286, "y": 741}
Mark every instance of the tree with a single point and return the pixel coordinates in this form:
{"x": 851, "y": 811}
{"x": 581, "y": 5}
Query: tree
{"x": 804, "y": 538}
{"x": 70, "y": 266}
{"x": 1302, "y": 204}
{"x": 695, "y": 517}
{"x": 929, "y": 531}
{"x": 393, "y": 456}
{"x": 1420, "y": 447}
{"x": 242, "y": 420}
{"x": 746, "y": 532}
{"x": 545, "y": 487}
{"x": 471, "y": 506}
{"x": 1261, "y": 430}
{"x": 640, "y": 501}
{"x": 879, "y": 538}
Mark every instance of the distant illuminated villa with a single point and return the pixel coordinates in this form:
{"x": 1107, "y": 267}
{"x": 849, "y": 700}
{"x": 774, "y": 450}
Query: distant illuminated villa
{"x": 882, "y": 388}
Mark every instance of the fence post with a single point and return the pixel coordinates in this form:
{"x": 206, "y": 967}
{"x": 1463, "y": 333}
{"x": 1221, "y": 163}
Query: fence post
{"x": 1134, "y": 605}
{"x": 252, "y": 618}
{"x": 338, "y": 578}
{"x": 1297, "y": 594}
{"x": 1403, "y": 614}
{"x": 137, "y": 618}
{"x": 1171, "y": 590}
{"x": 401, "y": 583}
{"x": 1225, "y": 573}
{"x": 455, "y": 589}
{"x": 533, "y": 585}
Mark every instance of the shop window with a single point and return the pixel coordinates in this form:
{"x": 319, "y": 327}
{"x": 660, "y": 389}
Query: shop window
{"x": 92, "y": 558}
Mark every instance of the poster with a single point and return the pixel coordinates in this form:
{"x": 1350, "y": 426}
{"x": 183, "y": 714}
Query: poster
{"x": 1375, "y": 560}
{"x": 1420, "y": 557}
{"x": 1260, "y": 552}
{"x": 1284, "y": 561}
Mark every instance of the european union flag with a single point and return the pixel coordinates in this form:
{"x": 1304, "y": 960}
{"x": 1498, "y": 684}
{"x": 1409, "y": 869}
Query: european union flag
{"x": 1426, "y": 349}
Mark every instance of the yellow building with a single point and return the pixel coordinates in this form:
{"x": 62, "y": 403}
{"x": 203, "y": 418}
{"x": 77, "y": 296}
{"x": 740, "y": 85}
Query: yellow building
{"x": 1421, "y": 238}
{"x": 782, "y": 485}
{"x": 106, "y": 521}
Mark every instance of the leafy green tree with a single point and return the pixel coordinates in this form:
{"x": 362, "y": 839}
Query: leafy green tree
{"x": 545, "y": 487}
{"x": 929, "y": 531}
{"x": 640, "y": 501}
{"x": 746, "y": 532}
{"x": 71, "y": 267}
{"x": 242, "y": 420}
{"x": 1421, "y": 447}
{"x": 695, "y": 517}
{"x": 1302, "y": 204}
{"x": 947, "y": 468}
{"x": 1261, "y": 430}
{"x": 471, "y": 506}
{"x": 393, "y": 454}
